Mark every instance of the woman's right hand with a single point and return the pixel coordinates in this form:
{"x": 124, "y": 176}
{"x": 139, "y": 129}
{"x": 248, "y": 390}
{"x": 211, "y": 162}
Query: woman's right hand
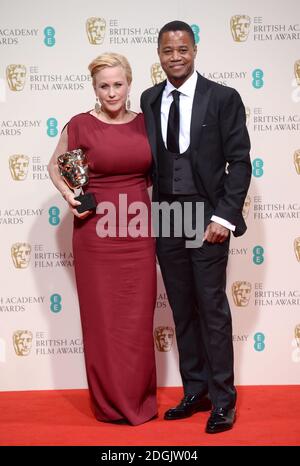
{"x": 70, "y": 198}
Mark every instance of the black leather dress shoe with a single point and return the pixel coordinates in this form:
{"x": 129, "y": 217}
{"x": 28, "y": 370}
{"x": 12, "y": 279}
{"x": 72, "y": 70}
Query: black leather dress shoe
{"x": 188, "y": 406}
{"x": 220, "y": 419}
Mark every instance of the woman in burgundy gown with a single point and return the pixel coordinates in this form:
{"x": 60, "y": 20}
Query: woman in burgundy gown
{"x": 115, "y": 274}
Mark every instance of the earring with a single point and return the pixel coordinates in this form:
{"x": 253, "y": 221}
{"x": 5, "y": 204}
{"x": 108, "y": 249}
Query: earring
{"x": 128, "y": 103}
{"x": 97, "y": 106}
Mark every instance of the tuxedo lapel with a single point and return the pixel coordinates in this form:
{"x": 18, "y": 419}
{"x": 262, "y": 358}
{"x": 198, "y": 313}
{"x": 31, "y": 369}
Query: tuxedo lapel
{"x": 156, "y": 92}
{"x": 200, "y": 103}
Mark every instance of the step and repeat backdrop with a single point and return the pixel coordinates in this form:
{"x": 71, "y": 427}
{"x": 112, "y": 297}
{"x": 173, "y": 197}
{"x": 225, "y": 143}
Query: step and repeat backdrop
{"x": 45, "y": 50}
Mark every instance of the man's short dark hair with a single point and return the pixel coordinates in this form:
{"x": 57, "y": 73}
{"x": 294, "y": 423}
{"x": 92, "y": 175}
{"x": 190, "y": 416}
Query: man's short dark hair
{"x": 176, "y": 26}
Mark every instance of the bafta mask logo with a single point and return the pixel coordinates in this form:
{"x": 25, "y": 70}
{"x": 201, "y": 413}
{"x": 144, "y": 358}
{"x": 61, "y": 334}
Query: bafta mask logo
{"x": 297, "y": 335}
{"x": 95, "y": 28}
{"x": 18, "y": 166}
{"x": 297, "y": 161}
{"x": 22, "y": 340}
{"x": 163, "y": 337}
{"x": 297, "y": 248}
{"x": 248, "y": 113}
{"x": 20, "y": 253}
{"x": 16, "y": 77}
{"x": 241, "y": 292}
{"x": 297, "y": 71}
{"x": 2, "y": 350}
{"x": 240, "y": 27}
{"x": 246, "y": 206}
{"x": 157, "y": 74}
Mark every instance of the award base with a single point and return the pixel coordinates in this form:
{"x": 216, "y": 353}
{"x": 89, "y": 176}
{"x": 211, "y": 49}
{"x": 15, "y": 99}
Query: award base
{"x": 88, "y": 202}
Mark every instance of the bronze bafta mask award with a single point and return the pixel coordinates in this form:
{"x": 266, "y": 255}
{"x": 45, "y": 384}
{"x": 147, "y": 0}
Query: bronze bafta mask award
{"x": 73, "y": 168}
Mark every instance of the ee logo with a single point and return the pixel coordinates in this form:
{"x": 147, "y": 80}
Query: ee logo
{"x": 258, "y": 255}
{"x": 49, "y": 33}
{"x": 54, "y": 215}
{"x": 52, "y": 130}
{"x": 257, "y": 168}
{"x": 257, "y": 78}
{"x": 196, "y": 31}
{"x": 55, "y": 303}
{"x": 259, "y": 341}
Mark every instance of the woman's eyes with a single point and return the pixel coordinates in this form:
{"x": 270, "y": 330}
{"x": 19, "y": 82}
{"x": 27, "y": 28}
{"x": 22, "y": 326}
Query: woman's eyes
{"x": 104, "y": 86}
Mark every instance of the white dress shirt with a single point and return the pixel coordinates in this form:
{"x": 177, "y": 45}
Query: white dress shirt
{"x": 187, "y": 92}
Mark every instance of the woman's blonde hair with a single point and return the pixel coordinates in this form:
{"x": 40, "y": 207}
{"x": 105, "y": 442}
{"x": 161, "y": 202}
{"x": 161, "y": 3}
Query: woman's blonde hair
{"x": 110, "y": 60}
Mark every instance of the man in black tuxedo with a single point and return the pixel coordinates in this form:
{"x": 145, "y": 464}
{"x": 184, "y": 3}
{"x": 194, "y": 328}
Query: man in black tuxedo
{"x": 200, "y": 147}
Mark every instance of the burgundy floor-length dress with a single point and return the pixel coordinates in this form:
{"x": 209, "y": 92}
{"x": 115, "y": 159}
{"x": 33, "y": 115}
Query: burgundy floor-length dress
{"x": 116, "y": 276}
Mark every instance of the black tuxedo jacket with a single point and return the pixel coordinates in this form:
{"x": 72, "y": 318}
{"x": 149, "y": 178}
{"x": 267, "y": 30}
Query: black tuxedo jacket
{"x": 219, "y": 144}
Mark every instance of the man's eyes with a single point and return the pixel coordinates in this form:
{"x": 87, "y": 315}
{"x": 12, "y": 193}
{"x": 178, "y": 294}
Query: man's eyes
{"x": 169, "y": 51}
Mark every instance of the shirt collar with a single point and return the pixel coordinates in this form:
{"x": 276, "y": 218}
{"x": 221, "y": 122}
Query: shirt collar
{"x": 188, "y": 87}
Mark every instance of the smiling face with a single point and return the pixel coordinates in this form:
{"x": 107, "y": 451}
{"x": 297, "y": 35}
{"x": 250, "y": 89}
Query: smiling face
{"x": 177, "y": 54}
{"x": 111, "y": 88}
